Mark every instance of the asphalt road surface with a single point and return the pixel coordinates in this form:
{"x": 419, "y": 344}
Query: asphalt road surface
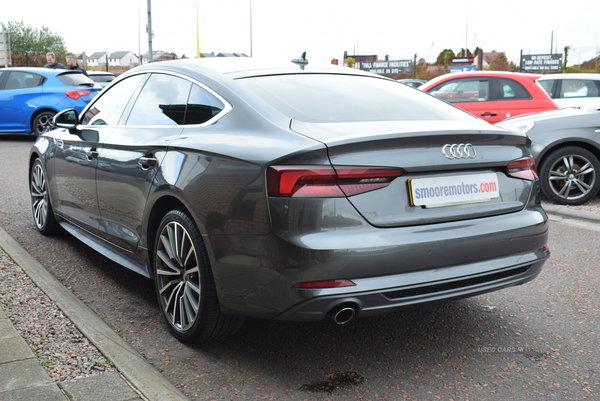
{"x": 537, "y": 341}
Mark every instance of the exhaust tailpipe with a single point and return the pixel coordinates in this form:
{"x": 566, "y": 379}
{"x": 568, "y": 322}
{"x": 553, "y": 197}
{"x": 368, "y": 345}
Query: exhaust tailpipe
{"x": 342, "y": 315}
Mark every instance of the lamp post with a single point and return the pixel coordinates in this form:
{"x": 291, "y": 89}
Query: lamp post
{"x": 197, "y": 31}
{"x": 555, "y": 39}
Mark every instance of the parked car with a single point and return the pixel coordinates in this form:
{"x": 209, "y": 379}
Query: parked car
{"x": 289, "y": 193}
{"x": 566, "y": 146}
{"x": 101, "y": 78}
{"x": 30, "y": 97}
{"x": 571, "y": 90}
{"x": 491, "y": 95}
{"x": 415, "y": 83}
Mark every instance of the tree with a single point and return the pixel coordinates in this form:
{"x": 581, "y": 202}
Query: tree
{"x": 28, "y": 39}
{"x": 445, "y": 54}
{"x": 567, "y": 48}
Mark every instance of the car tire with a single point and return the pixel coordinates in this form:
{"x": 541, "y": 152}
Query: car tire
{"x": 42, "y": 123}
{"x": 569, "y": 175}
{"x": 185, "y": 285}
{"x": 43, "y": 214}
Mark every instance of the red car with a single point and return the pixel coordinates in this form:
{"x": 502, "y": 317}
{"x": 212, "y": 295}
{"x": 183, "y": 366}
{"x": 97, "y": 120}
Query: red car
{"x": 491, "y": 95}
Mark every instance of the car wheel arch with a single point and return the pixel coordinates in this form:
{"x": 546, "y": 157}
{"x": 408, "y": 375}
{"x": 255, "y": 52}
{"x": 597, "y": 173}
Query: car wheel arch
{"x": 557, "y": 145}
{"x": 158, "y": 209}
{"x": 37, "y": 113}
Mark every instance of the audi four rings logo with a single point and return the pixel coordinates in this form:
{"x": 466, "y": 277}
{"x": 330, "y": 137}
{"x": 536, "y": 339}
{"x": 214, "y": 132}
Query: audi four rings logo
{"x": 459, "y": 151}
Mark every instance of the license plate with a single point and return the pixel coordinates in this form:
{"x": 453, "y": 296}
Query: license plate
{"x": 453, "y": 190}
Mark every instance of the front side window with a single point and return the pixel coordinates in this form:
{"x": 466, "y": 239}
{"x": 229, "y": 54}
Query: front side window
{"x": 162, "y": 101}
{"x": 109, "y": 107}
{"x": 509, "y": 89}
{"x": 546, "y": 85}
{"x": 463, "y": 90}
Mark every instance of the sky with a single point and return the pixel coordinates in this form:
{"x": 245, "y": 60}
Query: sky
{"x": 322, "y": 28}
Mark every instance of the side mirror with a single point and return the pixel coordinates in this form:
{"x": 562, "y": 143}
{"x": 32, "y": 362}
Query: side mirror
{"x": 66, "y": 119}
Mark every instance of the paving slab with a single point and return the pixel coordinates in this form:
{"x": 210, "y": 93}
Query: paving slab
{"x": 109, "y": 386}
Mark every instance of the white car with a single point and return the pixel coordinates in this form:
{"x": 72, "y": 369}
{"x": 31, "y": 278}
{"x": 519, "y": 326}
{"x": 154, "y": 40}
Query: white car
{"x": 571, "y": 90}
{"x": 101, "y": 78}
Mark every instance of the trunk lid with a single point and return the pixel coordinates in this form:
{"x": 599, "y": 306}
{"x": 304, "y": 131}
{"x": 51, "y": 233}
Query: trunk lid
{"x": 416, "y": 148}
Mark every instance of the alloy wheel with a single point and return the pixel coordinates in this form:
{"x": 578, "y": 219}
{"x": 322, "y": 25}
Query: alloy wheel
{"x": 43, "y": 123}
{"x": 178, "y": 276}
{"x": 39, "y": 196}
{"x": 572, "y": 177}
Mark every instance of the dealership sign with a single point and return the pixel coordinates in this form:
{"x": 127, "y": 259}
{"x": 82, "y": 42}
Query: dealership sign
{"x": 462, "y": 68}
{"x": 387, "y": 67}
{"x": 541, "y": 62}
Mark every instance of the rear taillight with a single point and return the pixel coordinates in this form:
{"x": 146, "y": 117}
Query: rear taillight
{"x": 523, "y": 168}
{"x": 76, "y": 94}
{"x": 322, "y": 181}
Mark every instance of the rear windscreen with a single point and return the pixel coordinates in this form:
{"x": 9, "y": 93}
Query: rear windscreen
{"x": 348, "y": 98}
{"x": 102, "y": 78}
{"x": 75, "y": 79}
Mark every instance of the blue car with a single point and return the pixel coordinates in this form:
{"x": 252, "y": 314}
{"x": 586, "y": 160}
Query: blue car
{"x": 30, "y": 97}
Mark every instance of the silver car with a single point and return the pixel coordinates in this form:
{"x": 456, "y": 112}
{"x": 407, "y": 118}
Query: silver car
{"x": 566, "y": 147}
{"x": 294, "y": 192}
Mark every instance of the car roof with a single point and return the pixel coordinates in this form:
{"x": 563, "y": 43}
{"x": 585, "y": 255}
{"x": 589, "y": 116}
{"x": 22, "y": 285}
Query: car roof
{"x": 467, "y": 74}
{"x": 242, "y": 67}
{"x": 40, "y": 70}
{"x": 573, "y": 75}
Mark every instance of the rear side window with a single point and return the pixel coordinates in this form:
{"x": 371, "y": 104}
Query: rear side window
{"x": 347, "y": 98}
{"x": 75, "y": 79}
{"x": 509, "y": 89}
{"x": 202, "y": 106}
{"x": 578, "y": 88}
{"x": 20, "y": 79}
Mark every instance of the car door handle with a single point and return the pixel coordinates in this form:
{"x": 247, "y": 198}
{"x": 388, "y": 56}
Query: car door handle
{"x": 489, "y": 114}
{"x": 147, "y": 161}
{"x": 92, "y": 154}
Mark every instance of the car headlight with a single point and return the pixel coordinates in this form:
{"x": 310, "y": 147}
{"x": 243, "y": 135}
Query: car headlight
{"x": 518, "y": 127}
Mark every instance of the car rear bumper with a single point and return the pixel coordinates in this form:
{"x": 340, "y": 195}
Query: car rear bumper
{"x": 255, "y": 276}
{"x": 381, "y": 295}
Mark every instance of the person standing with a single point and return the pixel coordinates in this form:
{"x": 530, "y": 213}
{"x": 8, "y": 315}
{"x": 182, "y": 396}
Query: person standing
{"x": 52, "y": 63}
{"x": 72, "y": 64}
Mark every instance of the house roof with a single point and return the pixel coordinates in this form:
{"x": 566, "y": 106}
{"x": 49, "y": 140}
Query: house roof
{"x": 490, "y": 56}
{"x": 155, "y": 54}
{"x": 231, "y": 55}
{"x": 119, "y": 54}
{"x": 98, "y": 55}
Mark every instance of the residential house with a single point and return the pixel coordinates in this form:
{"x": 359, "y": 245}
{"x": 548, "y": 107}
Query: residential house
{"x": 488, "y": 58}
{"x": 98, "y": 59}
{"x": 156, "y": 55}
{"x": 123, "y": 59}
{"x": 81, "y": 58}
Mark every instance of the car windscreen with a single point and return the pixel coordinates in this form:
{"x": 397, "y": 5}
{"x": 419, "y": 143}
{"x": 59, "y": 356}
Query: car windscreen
{"x": 325, "y": 98}
{"x": 75, "y": 79}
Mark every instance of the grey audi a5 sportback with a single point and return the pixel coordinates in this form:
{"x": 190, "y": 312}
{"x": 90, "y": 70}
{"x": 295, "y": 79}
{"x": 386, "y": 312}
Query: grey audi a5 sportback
{"x": 292, "y": 193}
